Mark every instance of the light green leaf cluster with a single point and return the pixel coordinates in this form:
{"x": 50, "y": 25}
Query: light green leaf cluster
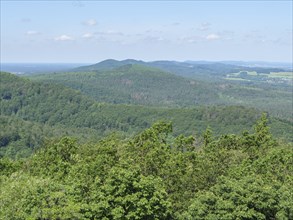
{"x": 153, "y": 176}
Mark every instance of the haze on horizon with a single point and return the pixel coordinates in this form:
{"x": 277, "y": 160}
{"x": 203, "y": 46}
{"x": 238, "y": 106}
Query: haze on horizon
{"x": 91, "y": 31}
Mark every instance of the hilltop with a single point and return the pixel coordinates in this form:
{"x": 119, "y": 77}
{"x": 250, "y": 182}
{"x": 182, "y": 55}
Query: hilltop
{"x": 193, "y": 69}
{"x": 136, "y": 84}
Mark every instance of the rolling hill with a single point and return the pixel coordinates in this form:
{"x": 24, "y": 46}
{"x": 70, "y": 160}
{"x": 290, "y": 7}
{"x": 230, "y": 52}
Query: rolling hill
{"x": 31, "y": 111}
{"x": 134, "y": 83}
{"x": 191, "y": 69}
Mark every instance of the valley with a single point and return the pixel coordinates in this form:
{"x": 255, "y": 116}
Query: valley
{"x": 81, "y": 145}
{"x": 175, "y": 84}
{"x": 125, "y": 97}
{"x": 146, "y": 110}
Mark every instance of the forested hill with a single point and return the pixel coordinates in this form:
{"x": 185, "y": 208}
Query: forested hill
{"x": 134, "y": 83}
{"x": 233, "y": 169}
{"x": 137, "y": 84}
{"x": 186, "y": 69}
{"x": 61, "y": 108}
{"x": 107, "y": 65}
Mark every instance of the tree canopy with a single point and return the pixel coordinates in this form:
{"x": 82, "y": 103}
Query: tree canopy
{"x": 153, "y": 175}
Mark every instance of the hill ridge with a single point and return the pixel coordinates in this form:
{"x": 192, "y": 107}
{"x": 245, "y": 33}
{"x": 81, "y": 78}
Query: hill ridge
{"x": 56, "y": 105}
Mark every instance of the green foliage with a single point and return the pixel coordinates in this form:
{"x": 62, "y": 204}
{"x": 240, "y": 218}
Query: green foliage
{"x": 157, "y": 174}
{"x": 36, "y": 111}
{"x": 137, "y": 82}
{"x": 150, "y": 148}
{"x": 127, "y": 194}
{"x": 20, "y": 138}
{"x": 55, "y": 158}
{"x": 7, "y": 166}
{"x": 152, "y": 176}
{"x": 246, "y": 198}
{"x": 262, "y": 133}
{"x": 28, "y": 197}
{"x": 160, "y": 173}
{"x": 207, "y": 136}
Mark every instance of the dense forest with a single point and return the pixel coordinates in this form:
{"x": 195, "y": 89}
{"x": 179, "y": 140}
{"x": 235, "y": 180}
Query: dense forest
{"x": 153, "y": 175}
{"x": 32, "y": 112}
{"x": 136, "y": 142}
{"x": 136, "y": 82}
{"x": 146, "y": 110}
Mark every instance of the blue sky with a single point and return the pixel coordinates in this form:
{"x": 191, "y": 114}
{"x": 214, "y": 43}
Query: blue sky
{"x": 91, "y": 31}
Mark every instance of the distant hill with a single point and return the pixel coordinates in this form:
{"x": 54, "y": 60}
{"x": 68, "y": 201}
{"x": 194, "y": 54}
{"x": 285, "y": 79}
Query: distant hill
{"x": 193, "y": 69}
{"x": 107, "y": 65}
{"x": 262, "y": 64}
{"x": 37, "y": 68}
{"x": 137, "y": 84}
{"x": 131, "y": 82}
{"x": 179, "y": 68}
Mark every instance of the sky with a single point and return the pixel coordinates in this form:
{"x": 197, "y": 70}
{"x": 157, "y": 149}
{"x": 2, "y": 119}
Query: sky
{"x": 77, "y": 31}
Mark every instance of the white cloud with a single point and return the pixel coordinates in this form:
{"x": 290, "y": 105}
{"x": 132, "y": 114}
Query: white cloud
{"x": 87, "y": 35}
{"x": 212, "y": 37}
{"x": 32, "y": 33}
{"x": 90, "y": 22}
{"x": 63, "y": 37}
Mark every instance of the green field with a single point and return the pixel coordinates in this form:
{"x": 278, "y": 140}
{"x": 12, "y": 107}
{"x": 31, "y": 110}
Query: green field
{"x": 240, "y": 79}
{"x": 250, "y": 73}
{"x": 287, "y": 75}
